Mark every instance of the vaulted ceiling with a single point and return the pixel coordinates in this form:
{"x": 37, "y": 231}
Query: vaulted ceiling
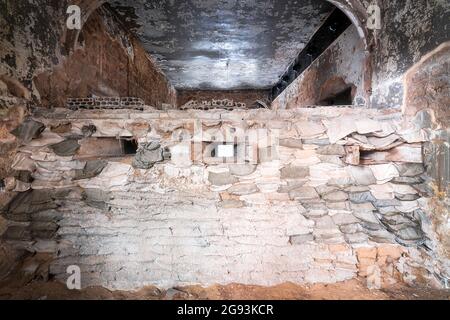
{"x": 223, "y": 44}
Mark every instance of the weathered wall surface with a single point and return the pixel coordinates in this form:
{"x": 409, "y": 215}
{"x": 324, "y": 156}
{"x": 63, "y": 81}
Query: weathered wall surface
{"x": 323, "y": 195}
{"x": 108, "y": 62}
{"x": 410, "y": 29}
{"x": 427, "y": 85}
{"x": 341, "y": 66}
{"x": 427, "y": 88}
{"x": 249, "y": 97}
{"x": 14, "y": 98}
{"x": 32, "y": 39}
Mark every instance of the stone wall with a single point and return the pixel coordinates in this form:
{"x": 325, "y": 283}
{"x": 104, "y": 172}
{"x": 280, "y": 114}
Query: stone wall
{"x": 32, "y": 57}
{"x": 14, "y": 101}
{"x": 312, "y": 195}
{"x": 108, "y": 62}
{"x": 426, "y": 92}
{"x": 249, "y": 97}
{"x": 410, "y": 29}
{"x": 341, "y": 66}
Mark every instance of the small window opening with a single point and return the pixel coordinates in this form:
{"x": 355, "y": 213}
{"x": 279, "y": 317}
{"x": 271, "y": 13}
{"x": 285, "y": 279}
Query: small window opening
{"x": 129, "y": 146}
{"x": 225, "y": 151}
{"x": 107, "y": 147}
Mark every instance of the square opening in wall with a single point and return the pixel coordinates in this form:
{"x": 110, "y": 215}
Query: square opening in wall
{"x": 129, "y": 146}
{"x": 107, "y": 147}
{"x": 226, "y": 151}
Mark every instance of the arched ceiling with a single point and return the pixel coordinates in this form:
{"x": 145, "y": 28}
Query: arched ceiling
{"x": 223, "y": 44}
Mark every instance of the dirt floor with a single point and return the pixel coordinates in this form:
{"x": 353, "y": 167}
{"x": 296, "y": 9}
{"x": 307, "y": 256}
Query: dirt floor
{"x": 350, "y": 290}
{"x": 30, "y": 282}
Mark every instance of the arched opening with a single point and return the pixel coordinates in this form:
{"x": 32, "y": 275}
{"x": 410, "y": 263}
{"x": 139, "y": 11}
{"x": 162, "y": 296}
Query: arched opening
{"x": 337, "y": 55}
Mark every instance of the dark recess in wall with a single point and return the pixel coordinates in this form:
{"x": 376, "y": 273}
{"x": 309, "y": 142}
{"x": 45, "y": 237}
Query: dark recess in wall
{"x": 343, "y": 98}
{"x": 129, "y": 146}
{"x": 336, "y": 23}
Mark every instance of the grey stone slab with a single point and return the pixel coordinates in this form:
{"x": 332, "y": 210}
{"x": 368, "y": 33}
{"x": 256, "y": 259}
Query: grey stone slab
{"x": 66, "y": 148}
{"x": 28, "y": 130}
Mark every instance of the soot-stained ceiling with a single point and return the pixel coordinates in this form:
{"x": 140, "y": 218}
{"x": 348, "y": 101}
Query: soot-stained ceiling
{"x": 223, "y": 44}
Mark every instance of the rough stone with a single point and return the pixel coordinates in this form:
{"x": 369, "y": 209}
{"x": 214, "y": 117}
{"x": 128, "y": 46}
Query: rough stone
{"x": 384, "y": 172}
{"x": 361, "y": 197}
{"x": 291, "y": 143}
{"x": 325, "y": 222}
{"x": 303, "y": 193}
{"x": 315, "y": 142}
{"x": 336, "y": 196}
{"x": 362, "y": 175}
{"x": 66, "y": 148}
{"x": 243, "y": 189}
{"x": 384, "y": 143}
{"x": 221, "y": 179}
{"x": 324, "y": 189}
{"x": 309, "y": 129}
{"x": 332, "y": 159}
{"x": 242, "y": 169}
{"x": 46, "y": 138}
{"x": 338, "y": 207}
{"x": 382, "y": 191}
{"x": 28, "y": 130}
{"x": 294, "y": 172}
{"x": 387, "y": 203}
{"x": 3, "y": 225}
{"x": 410, "y": 169}
{"x": 344, "y": 218}
{"x": 340, "y": 128}
{"x": 362, "y": 207}
{"x": 114, "y": 175}
{"x": 92, "y": 168}
{"x": 406, "y": 197}
{"x": 61, "y": 128}
{"x": 351, "y": 228}
{"x": 366, "y": 126}
{"x": 356, "y": 238}
{"x": 408, "y": 180}
{"x": 147, "y": 155}
{"x": 230, "y": 204}
{"x": 301, "y": 239}
{"x": 330, "y": 150}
